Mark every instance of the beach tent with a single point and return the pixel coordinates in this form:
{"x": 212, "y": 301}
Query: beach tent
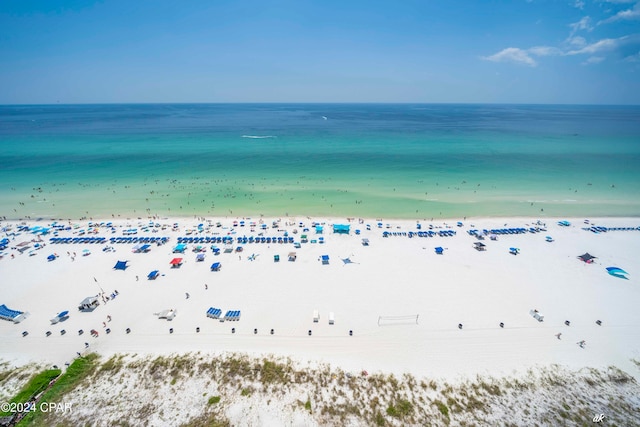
{"x": 480, "y": 246}
{"x": 88, "y": 304}
{"x": 514, "y": 251}
{"x": 200, "y": 257}
{"x": 276, "y": 258}
{"x": 176, "y": 262}
{"x": 14, "y": 316}
{"x": 52, "y": 257}
{"x": 365, "y": 242}
{"x": 292, "y": 256}
{"x": 319, "y": 229}
{"x": 121, "y": 265}
{"x": 341, "y": 228}
{"x": 153, "y": 275}
{"x": 617, "y": 272}
{"x": 325, "y": 259}
{"x": 216, "y": 266}
{"x": 179, "y": 248}
{"x": 587, "y": 257}
{"x": 439, "y": 250}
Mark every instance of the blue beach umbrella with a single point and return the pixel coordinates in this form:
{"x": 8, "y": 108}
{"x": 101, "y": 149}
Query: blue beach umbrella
{"x": 63, "y": 314}
{"x": 617, "y": 272}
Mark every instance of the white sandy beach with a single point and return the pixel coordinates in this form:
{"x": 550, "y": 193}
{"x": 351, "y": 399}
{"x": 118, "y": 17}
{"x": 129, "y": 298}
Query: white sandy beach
{"x": 393, "y": 276}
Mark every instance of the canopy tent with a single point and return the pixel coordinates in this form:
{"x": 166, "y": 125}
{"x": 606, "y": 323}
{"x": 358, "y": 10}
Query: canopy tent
{"x": 153, "y": 275}
{"x": 180, "y": 248}
{"x": 325, "y": 259}
{"x": 480, "y": 246}
{"x": 319, "y": 229}
{"x": 292, "y": 256}
{"x": 439, "y": 250}
{"x": 200, "y": 257}
{"x": 617, "y": 272}
{"x": 341, "y": 228}
{"x": 52, "y": 257}
{"x": 121, "y": 265}
{"x": 88, "y": 304}
{"x": 216, "y": 266}
{"x": 587, "y": 257}
{"x": 176, "y": 262}
{"x": 514, "y": 251}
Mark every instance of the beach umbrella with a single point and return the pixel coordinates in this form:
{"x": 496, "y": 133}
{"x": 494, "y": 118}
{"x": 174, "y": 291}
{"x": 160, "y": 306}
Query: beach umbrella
{"x": 617, "y": 272}
{"x": 63, "y": 314}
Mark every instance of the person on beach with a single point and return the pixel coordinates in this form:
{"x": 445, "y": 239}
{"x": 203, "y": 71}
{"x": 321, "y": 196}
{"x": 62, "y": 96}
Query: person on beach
{"x": 108, "y": 318}
{"x": 187, "y": 294}
{"x": 582, "y": 343}
{"x": 558, "y": 335}
{"x": 136, "y": 278}
{"x": 206, "y": 286}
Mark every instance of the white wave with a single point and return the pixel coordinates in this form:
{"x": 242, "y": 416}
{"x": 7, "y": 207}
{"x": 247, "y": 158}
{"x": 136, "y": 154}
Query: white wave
{"x": 258, "y": 136}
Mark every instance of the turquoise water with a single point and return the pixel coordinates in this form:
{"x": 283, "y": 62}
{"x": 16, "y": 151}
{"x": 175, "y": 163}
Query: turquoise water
{"x": 361, "y": 160}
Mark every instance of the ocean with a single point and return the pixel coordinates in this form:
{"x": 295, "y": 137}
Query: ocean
{"x": 419, "y": 161}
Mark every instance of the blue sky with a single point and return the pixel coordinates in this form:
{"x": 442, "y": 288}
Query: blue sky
{"x": 489, "y": 51}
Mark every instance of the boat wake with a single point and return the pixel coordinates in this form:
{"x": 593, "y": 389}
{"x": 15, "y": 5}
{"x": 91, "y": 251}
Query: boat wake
{"x": 259, "y": 136}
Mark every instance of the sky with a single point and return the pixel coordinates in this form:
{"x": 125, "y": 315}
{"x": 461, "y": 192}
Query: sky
{"x": 408, "y": 51}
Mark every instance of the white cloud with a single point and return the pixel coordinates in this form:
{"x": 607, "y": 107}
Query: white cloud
{"x": 544, "y": 51}
{"x": 583, "y": 24}
{"x": 593, "y": 60}
{"x": 624, "y": 15}
{"x": 576, "y": 41}
{"x": 599, "y": 46}
{"x": 633, "y": 58}
{"x": 579, "y": 4}
{"x": 512, "y": 54}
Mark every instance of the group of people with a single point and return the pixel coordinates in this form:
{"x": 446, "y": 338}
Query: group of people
{"x": 580, "y": 343}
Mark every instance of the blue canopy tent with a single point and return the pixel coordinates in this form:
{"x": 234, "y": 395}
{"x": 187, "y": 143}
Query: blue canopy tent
{"x": 319, "y": 229}
{"x": 121, "y": 265}
{"x": 617, "y": 272}
{"x": 145, "y": 248}
{"x": 439, "y": 250}
{"x": 341, "y": 228}
{"x": 325, "y": 259}
{"x": 51, "y": 257}
{"x": 514, "y": 251}
{"x": 153, "y": 275}
{"x": 180, "y": 248}
{"x": 216, "y": 266}
{"x": 200, "y": 257}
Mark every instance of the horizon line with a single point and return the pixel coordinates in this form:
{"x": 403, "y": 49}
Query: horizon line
{"x": 316, "y": 103}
